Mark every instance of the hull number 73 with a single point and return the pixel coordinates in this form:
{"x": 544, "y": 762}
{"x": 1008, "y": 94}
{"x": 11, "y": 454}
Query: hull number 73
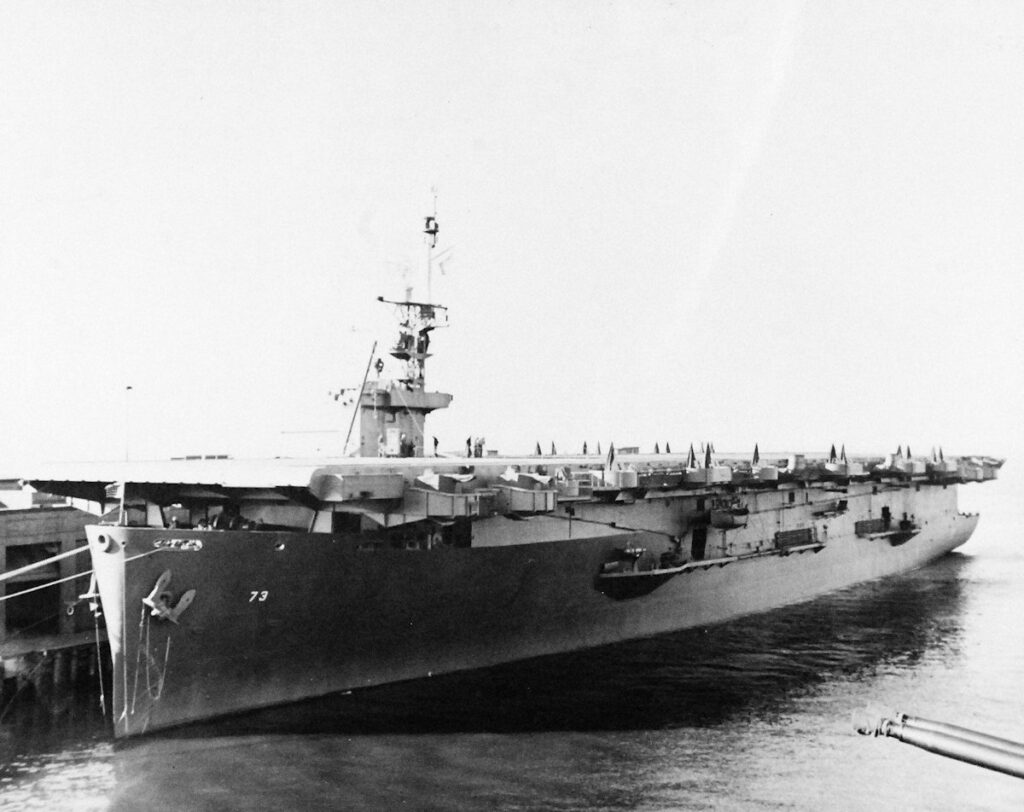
{"x": 258, "y": 597}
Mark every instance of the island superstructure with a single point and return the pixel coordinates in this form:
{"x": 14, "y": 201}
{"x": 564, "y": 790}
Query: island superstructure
{"x": 228, "y": 585}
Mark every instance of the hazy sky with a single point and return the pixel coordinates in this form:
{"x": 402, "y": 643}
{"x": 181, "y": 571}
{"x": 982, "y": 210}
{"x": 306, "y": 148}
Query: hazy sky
{"x": 777, "y": 223}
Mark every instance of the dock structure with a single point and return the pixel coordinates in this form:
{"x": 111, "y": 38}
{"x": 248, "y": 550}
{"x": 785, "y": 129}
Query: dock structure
{"x": 49, "y": 670}
{"x": 40, "y": 600}
{"x": 49, "y": 641}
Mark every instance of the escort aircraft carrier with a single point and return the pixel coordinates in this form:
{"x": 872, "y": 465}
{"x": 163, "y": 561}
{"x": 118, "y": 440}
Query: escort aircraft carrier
{"x": 230, "y": 585}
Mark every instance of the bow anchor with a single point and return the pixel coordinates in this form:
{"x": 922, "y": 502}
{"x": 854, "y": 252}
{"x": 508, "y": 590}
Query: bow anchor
{"x": 159, "y": 599}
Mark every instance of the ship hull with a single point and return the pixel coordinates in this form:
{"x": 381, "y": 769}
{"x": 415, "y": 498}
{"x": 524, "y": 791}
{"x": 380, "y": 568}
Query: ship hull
{"x": 281, "y": 617}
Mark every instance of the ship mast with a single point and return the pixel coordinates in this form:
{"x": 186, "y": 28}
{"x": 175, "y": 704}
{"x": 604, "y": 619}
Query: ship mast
{"x": 418, "y": 319}
{"x": 393, "y": 413}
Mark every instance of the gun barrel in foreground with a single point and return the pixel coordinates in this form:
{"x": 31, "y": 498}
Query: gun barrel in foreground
{"x": 952, "y": 741}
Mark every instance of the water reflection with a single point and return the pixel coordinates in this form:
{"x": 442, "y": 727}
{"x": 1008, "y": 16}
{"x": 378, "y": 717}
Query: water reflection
{"x": 56, "y": 761}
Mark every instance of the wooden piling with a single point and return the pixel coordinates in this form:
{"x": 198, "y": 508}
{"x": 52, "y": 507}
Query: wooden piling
{"x": 49, "y": 671}
{"x": 75, "y": 656}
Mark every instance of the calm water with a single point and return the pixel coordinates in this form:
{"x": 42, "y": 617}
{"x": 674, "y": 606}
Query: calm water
{"x": 750, "y": 715}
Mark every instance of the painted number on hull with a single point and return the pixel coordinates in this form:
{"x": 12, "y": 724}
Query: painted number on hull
{"x": 258, "y": 597}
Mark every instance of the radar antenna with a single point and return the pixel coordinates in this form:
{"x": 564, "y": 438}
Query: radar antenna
{"x": 416, "y": 321}
{"x": 430, "y": 229}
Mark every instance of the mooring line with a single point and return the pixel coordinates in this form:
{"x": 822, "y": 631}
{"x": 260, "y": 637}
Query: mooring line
{"x": 44, "y": 563}
{"x": 62, "y": 580}
{"x": 44, "y": 586}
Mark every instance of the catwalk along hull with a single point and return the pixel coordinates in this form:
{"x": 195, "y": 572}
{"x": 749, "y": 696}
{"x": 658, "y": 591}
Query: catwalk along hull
{"x": 282, "y": 616}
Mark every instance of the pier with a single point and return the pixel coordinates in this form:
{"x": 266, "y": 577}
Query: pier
{"x": 50, "y": 646}
{"x": 50, "y": 670}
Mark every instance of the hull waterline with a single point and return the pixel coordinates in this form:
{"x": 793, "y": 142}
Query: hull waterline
{"x": 280, "y": 617}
